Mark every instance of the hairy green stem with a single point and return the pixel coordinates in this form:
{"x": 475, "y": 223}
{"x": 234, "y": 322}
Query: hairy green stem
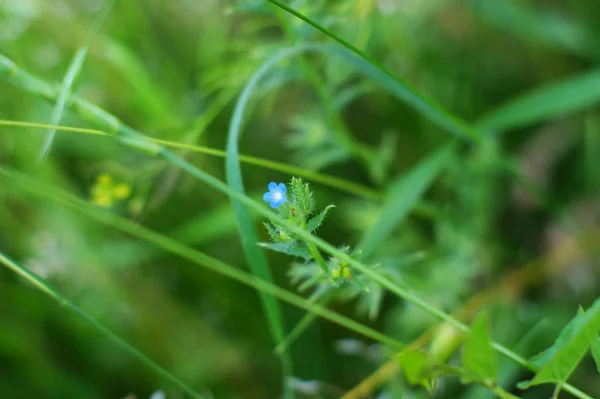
{"x": 317, "y": 256}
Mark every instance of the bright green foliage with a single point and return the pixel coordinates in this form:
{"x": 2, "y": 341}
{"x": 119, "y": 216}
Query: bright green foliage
{"x": 559, "y": 361}
{"x": 445, "y": 343}
{"x": 416, "y": 368}
{"x": 315, "y": 222}
{"x": 302, "y": 199}
{"x": 317, "y": 272}
{"x": 478, "y": 357}
{"x": 298, "y": 210}
{"x": 293, "y": 249}
{"x": 171, "y": 69}
{"x": 596, "y": 352}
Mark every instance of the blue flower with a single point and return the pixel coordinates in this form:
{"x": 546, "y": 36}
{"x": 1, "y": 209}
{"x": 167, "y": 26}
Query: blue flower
{"x": 276, "y": 195}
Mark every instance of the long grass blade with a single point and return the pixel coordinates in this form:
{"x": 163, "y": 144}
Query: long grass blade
{"x": 73, "y": 71}
{"x": 45, "y": 288}
{"x": 551, "y": 101}
{"x": 292, "y": 170}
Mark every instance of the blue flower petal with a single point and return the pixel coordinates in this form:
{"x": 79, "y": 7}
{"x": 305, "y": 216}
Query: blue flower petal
{"x": 280, "y": 202}
{"x": 268, "y": 197}
{"x": 281, "y": 187}
{"x": 272, "y": 186}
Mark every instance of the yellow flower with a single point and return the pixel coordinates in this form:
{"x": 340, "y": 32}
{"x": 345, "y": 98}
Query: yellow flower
{"x": 105, "y": 192}
{"x": 121, "y": 191}
{"x": 346, "y": 273}
{"x": 103, "y": 201}
{"x": 104, "y": 179}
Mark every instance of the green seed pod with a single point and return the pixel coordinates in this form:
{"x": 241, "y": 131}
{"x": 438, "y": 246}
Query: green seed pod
{"x": 346, "y": 273}
{"x": 336, "y": 273}
{"x": 445, "y": 343}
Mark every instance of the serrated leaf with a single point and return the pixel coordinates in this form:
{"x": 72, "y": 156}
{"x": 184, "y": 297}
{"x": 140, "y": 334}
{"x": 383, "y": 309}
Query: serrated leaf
{"x": 297, "y": 250}
{"x": 316, "y": 222}
{"x": 416, "y": 368}
{"x": 478, "y": 357}
{"x": 559, "y": 361}
{"x": 596, "y": 352}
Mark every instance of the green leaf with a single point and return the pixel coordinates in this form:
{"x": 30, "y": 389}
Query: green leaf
{"x": 316, "y": 222}
{"x": 570, "y": 95}
{"x": 402, "y": 196}
{"x": 416, "y": 368}
{"x": 559, "y": 361}
{"x": 292, "y": 249}
{"x": 301, "y": 197}
{"x": 596, "y": 352}
{"x": 502, "y": 394}
{"x": 478, "y": 357}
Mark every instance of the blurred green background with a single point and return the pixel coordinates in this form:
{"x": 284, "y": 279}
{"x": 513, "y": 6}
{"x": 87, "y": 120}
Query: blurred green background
{"x": 523, "y": 202}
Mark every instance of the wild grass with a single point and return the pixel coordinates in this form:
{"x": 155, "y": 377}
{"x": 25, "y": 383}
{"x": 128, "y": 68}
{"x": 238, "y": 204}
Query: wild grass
{"x": 406, "y": 273}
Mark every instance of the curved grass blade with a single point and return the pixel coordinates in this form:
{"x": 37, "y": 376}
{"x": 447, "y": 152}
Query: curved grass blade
{"x": 551, "y": 101}
{"x": 44, "y": 190}
{"x": 73, "y": 71}
{"x": 387, "y": 80}
{"x": 292, "y": 170}
{"x": 255, "y": 256}
{"x": 402, "y": 196}
{"x": 44, "y": 287}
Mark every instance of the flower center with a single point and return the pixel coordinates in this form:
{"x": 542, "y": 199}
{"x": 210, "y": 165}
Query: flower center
{"x": 277, "y": 196}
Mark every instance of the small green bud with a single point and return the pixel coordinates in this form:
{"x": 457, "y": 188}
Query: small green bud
{"x": 445, "y": 343}
{"x": 346, "y": 273}
{"x": 336, "y": 273}
{"x": 284, "y": 236}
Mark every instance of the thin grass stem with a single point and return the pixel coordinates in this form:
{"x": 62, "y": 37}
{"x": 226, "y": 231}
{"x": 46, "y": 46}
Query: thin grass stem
{"x": 45, "y": 288}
